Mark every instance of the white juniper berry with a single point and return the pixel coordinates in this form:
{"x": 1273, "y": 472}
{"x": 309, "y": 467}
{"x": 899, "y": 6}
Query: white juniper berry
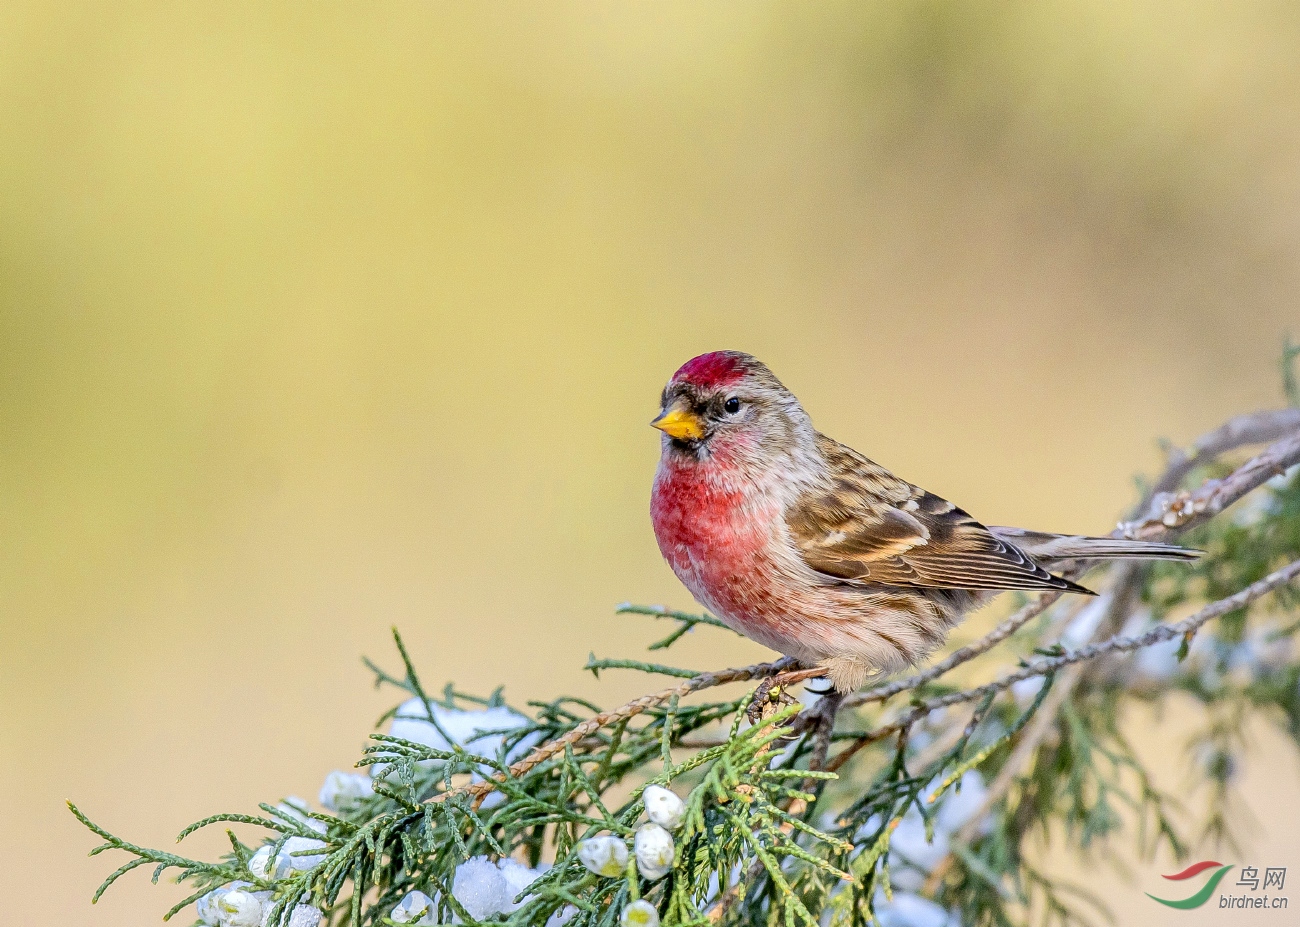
{"x": 480, "y": 731}
{"x": 303, "y": 915}
{"x": 270, "y": 866}
{"x": 654, "y": 851}
{"x": 298, "y": 850}
{"x": 605, "y": 856}
{"x": 207, "y": 909}
{"x": 415, "y": 908}
{"x": 663, "y": 806}
{"x": 640, "y": 913}
{"x": 241, "y": 908}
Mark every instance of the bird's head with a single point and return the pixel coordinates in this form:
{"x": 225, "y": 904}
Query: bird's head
{"x": 729, "y": 402}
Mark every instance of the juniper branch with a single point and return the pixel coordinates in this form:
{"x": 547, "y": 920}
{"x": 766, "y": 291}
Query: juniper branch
{"x": 759, "y": 803}
{"x": 633, "y": 708}
{"x": 1117, "y": 644}
{"x": 1238, "y": 432}
{"x": 1211, "y": 498}
{"x": 1186, "y": 509}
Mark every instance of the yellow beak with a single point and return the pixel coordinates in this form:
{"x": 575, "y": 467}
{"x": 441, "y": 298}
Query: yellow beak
{"x": 680, "y": 424}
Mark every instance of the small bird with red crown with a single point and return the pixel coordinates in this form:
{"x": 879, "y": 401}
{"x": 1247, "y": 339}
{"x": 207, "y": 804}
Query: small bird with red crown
{"x": 806, "y": 546}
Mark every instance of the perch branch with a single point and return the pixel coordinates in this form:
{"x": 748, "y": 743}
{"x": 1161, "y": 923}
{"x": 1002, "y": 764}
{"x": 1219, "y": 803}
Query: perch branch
{"x": 1183, "y": 510}
{"x": 1116, "y": 644}
{"x": 1169, "y": 515}
{"x": 477, "y": 791}
{"x": 1174, "y": 513}
{"x": 1238, "y": 432}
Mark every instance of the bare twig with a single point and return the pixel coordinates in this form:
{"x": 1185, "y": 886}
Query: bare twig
{"x": 880, "y": 733}
{"x": 1043, "y": 723}
{"x": 1183, "y": 510}
{"x": 1238, "y": 432}
{"x": 1172, "y": 515}
{"x": 1116, "y": 644}
{"x": 1112, "y": 602}
{"x": 1044, "y": 720}
{"x": 824, "y": 724}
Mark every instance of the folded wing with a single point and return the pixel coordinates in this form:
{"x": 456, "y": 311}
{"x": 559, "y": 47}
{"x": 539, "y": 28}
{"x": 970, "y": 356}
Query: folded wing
{"x": 869, "y": 526}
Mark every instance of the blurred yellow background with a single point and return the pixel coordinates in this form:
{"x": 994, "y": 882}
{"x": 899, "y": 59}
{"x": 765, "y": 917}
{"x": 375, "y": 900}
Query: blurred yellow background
{"x": 321, "y": 318}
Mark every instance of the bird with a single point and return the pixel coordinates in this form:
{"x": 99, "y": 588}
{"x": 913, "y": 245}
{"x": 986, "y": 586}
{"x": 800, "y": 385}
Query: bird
{"x": 808, "y": 547}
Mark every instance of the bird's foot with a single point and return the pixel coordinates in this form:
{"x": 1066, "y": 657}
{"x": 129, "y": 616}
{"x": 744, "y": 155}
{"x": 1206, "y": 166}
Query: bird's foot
{"x": 770, "y": 695}
{"x": 773, "y": 693}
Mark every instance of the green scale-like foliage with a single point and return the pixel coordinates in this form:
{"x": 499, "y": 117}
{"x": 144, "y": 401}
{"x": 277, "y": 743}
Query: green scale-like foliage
{"x": 769, "y": 835}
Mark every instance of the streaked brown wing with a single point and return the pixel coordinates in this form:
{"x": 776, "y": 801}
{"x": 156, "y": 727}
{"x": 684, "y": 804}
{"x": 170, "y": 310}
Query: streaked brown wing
{"x": 870, "y": 526}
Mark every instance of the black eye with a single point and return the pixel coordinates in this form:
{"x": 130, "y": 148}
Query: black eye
{"x": 731, "y": 406}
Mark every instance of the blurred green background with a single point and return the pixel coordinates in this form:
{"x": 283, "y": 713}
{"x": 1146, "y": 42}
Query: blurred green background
{"x": 321, "y": 318}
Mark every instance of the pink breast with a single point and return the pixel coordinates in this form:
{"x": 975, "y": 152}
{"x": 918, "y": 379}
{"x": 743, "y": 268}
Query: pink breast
{"x": 716, "y": 538}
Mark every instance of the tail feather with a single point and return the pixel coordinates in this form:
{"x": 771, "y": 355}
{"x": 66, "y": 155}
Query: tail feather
{"x": 1048, "y": 547}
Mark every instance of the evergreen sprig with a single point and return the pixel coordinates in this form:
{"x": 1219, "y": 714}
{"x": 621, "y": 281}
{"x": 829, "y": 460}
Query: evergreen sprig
{"x": 801, "y": 813}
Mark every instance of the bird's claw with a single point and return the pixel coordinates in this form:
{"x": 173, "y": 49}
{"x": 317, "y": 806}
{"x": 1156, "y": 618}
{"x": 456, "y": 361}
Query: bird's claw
{"x": 771, "y": 695}
{"x": 824, "y": 685}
